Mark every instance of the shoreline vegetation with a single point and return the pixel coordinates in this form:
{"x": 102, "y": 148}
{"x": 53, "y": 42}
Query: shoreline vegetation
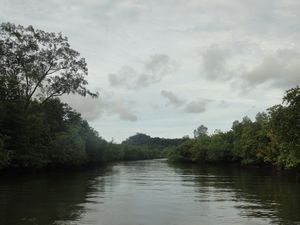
{"x": 37, "y": 130}
{"x": 272, "y": 139}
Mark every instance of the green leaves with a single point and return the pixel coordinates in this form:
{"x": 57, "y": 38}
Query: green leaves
{"x": 39, "y": 64}
{"x": 272, "y": 139}
{"x": 285, "y": 125}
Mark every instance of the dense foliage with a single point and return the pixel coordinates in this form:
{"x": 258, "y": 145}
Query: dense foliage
{"x": 140, "y": 139}
{"x": 273, "y": 138}
{"x": 35, "y": 64}
{"x": 36, "y": 129}
{"x": 53, "y": 134}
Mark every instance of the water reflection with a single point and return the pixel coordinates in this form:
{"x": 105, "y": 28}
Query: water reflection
{"x": 256, "y": 193}
{"x": 150, "y": 193}
{"x": 46, "y": 198}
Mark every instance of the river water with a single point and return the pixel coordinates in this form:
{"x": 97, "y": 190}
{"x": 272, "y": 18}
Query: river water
{"x": 150, "y": 192}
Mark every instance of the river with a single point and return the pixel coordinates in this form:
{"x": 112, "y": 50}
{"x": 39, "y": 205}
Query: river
{"x": 150, "y": 192}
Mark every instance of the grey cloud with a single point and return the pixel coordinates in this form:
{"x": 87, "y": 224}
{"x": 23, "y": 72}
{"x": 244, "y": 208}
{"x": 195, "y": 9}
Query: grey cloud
{"x": 123, "y": 77}
{"x": 118, "y": 31}
{"x": 92, "y": 109}
{"x": 214, "y": 62}
{"x": 173, "y": 99}
{"x": 196, "y": 107}
{"x": 120, "y": 108}
{"x": 158, "y": 66}
{"x": 278, "y": 70}
{"x": 153, "y": 71}
{"x": 270, "y": 16}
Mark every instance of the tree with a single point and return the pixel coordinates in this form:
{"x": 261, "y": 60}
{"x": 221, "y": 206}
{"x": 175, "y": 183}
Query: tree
{"x": 285, "y": 124}
{"x": 292, "y": 97}
{"x": 35, "y": 64}
{"x": 68, "y": 148}
{"x": 4, "y": 154}
{"x": 200, "y": 131}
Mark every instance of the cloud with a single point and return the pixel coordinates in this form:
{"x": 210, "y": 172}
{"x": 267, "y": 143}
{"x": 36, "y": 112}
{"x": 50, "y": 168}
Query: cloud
{"x": 119, "y": 107}
{"x": 119, "y": 32}
{"x": 214, "y": 62}
{"x": 89, "y": 108}
{"x": 173, "y": 99}
{"x": 196, "y": 107}
{"x": 123, "y": 77}
{"x": 154, "y": 69}
{"x": 278, "y": 69}
{"x": 281, "y": 70}
{"x": 108, "y": 104}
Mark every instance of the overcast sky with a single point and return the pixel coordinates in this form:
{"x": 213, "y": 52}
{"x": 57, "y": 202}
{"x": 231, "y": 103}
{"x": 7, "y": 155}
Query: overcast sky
{"x": 164, "y": 67}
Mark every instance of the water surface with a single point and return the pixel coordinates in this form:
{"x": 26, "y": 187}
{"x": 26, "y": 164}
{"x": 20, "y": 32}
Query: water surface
{"x": 149, "y": 192}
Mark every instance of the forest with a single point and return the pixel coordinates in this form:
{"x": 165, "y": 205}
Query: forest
{"x": 37, "y": 130}
{"x": 272, "y": 139}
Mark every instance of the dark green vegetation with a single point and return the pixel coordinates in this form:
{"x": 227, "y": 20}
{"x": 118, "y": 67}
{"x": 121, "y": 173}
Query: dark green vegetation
{"x": 37, "y": 130}
{"x": 272, "y": 139}
{"x": 147, "y": 146}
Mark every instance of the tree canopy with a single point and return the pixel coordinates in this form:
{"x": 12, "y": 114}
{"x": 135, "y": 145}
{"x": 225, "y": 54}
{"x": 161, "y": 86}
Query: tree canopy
{"x": 273, "y": 138}
{"x": 200, "y": 131}
{"x": 35, "y": 64}
{"x": 37, "y": 130}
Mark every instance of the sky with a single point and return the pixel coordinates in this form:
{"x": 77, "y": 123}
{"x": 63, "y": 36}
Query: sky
{"x": 165, "y": 67}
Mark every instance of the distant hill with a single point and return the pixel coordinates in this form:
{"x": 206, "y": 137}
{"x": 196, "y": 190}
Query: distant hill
{"x": 141, "y": 139}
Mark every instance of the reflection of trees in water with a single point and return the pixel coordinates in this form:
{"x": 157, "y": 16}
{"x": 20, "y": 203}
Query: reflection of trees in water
{"x": 47, "y": 198}
{"x": 135, "y": 172}
{"x": 60, "y": 197}
{"x": 258, "y": 193}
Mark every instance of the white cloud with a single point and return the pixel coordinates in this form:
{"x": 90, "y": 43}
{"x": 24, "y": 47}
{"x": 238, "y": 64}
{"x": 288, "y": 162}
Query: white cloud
{"x": 108, "y": 104}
